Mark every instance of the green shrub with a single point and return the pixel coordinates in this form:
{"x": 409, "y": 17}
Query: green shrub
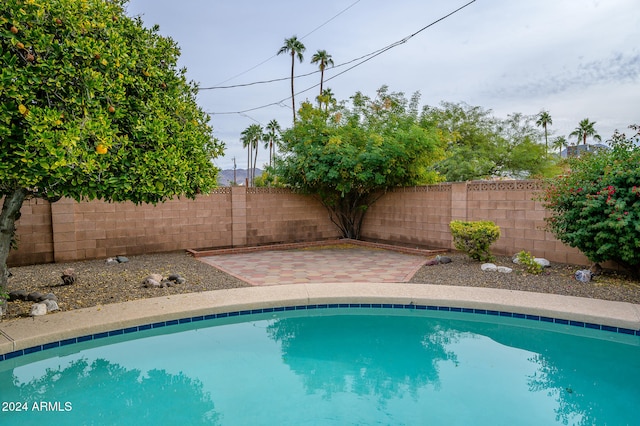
{"x": 531, "y": 266}
{"x": 596, "y": 207}
{"x": 475, "y": 238}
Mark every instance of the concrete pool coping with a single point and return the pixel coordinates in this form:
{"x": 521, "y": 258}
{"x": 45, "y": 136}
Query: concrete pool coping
{"x": 30, "y": 332}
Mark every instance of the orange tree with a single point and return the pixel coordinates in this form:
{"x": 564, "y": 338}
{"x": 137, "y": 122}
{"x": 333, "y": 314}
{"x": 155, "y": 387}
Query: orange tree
{"x": 596, "y": 206}
{"x": 93, "y": 106}
{"x": 349, "y": 157}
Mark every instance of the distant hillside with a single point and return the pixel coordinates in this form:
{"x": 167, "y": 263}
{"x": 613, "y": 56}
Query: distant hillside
{"x": 225, "y": 177}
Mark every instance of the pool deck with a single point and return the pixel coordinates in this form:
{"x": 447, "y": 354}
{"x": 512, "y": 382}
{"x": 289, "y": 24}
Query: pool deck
{"x": 284, "y": 278}
{"x": 26, "y": 333}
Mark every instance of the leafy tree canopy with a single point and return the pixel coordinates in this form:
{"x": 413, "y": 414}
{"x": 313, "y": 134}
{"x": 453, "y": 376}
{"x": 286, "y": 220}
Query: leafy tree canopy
{"x": 92, "y": 105}
{"x": 351, "y": 156}
{"x": 480, "y": 145}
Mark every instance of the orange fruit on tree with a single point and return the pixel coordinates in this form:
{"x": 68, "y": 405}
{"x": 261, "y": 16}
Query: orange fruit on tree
{"x": 101, "y": 149}
{"x": 112, "y": 109}
{"x": 13, "y": 29}
{"x": 19, "y": 45}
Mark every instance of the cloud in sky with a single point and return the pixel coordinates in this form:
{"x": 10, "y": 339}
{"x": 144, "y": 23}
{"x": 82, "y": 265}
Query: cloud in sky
{"x": 574, "y": 59}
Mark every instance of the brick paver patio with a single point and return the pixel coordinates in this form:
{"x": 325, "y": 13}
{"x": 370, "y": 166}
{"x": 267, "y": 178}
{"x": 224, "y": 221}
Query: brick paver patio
{"x": 350, "y": 264}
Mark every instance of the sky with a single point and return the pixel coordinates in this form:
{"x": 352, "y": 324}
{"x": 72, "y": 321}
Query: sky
{"x": 575, "y": 59}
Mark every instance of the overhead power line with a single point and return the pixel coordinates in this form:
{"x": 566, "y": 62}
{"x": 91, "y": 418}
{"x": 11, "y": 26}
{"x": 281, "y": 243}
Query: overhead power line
{"x": 365, "y": 58}
{"x": 270, "y": 58}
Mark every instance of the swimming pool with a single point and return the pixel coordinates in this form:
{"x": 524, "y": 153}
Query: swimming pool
{"x": 325, "y": 364}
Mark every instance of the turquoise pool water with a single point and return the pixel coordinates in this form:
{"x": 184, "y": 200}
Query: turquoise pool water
{"x": 333, "y": 367}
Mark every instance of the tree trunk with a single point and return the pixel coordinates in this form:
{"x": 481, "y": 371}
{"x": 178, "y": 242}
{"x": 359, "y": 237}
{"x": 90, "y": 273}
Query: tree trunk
{"x": 8, "y": 217}
{"x": 255, "y": 160}
{"x": 348, "y": 212}
{"x": 293, "y": 101}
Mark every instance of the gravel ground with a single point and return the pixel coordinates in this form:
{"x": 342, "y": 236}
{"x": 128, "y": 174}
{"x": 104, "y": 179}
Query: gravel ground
{"x": 100, "y": 284}
{"x": 557, "y": 279}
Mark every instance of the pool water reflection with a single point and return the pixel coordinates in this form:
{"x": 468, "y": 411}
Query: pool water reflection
{"x": 338, "y": 366}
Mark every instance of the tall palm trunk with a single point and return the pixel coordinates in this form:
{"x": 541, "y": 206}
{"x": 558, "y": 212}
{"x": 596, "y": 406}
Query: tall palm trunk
{"x": 247, "y": 178}
{"x": 255, "y": 159}
{"x": 293, "y": 100}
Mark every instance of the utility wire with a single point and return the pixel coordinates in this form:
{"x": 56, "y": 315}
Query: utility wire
{"x": 367, "y": 57}
{"x": 287, "y": 78}
{"x": 268, "y": 59}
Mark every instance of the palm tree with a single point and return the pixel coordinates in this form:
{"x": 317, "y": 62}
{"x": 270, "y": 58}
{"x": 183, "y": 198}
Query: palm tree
{"x": 256, "y": 144}
{"x": 559, "y": 143}
{"x": 322, "y": 58}
{"x": 544, "y": 120}
{"x": 250, "y": 137}
{"x": 585, "y": 129}
{"x": 327, "y": 98}
{"x": 295, "y": 48}
{"x": 273, "y": 128}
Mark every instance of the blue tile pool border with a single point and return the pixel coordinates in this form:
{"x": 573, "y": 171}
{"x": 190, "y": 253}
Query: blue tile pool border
{"x": 411, "y": 306}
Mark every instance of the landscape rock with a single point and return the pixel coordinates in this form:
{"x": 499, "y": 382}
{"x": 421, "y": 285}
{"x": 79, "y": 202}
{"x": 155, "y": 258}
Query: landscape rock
{"x": 68, "y": 276}
{"x": 515, "y": 259}
{"x": 583, "y": 275}
{"x": 488, "y": 267}
{"x": 542, "y": 262}
{"x": 36, "y": 296}
{"x": 49, "y": 296}
{"x": 177, "y": 278}
{"x": 3, "y": 307}
{"x": 432, "y": 262}
{"x": 156, "y": 277}
{"x": 504, "y": 269}
{"x": 443, "y": 259}
{"x": 18, "y": 295}
{"x": 38, "y": 309}
{"x": 51, "y": 305}
{"x": 122, "y": 259}
{"x": 595, "y": 269}
{"x": 150, "y": 283}
{"x": 111, "y": 261}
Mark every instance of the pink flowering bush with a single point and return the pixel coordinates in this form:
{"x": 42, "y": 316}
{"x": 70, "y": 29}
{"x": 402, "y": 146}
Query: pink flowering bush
{"x": 596, "y": 206}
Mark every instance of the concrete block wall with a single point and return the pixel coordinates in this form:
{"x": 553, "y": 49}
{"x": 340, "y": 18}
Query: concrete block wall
{"x": 421, "y": 216}
{"x": 411, "y": 216}
{"x": 240, "y": 217}
{"x": 97, "y": 229}
{"x": 277, "y": 215}
{"x": 512, "y": 205}
{"x": 35, "y": 238}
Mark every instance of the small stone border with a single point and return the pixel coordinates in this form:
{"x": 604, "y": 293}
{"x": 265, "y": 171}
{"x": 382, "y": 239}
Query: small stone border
{"x": 306, "y": 244}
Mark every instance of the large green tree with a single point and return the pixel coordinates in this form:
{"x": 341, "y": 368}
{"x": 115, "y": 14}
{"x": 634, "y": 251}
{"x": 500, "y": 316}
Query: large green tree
{"x": 92, "y": 105}
{"x": 481, "y": 146}
{"x": 295, "y": 48}
{"x": 349, "y": 157}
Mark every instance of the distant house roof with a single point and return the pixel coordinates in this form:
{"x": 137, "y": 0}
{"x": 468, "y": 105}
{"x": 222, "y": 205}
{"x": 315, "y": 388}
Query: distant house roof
{"x": 577, "y": 150}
